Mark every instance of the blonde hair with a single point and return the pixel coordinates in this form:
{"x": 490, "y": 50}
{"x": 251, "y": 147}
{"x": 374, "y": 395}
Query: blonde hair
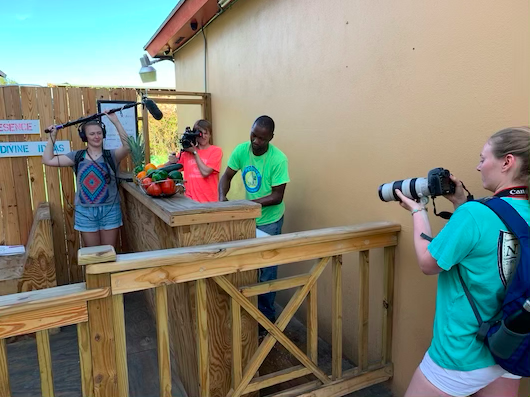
{"x": 515, "y": 141}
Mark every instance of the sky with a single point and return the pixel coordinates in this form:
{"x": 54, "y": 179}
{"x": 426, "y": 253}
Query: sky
{"x": 81, "y": 42}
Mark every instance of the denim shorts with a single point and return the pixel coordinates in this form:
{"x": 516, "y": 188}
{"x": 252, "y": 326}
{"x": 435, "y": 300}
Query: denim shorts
{"x": 100, "y": 217}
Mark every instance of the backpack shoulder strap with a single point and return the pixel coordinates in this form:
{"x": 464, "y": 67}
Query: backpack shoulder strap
{"x": 107, "y": 156}
{"x": 79, "y": 156}
{"x": 510, "y": 217}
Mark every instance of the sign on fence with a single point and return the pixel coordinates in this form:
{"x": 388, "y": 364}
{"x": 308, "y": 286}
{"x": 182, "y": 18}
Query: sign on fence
{"x": 14, "y": 127}
{"x": 127, "y": 117}
{"x": 25, "y": 149}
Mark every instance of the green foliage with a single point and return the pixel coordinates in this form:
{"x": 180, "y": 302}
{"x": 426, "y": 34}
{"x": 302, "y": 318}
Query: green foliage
{"x": 137, "y": 148}
{"x": 163, "y": 134}
{"x": 6, "y": 81}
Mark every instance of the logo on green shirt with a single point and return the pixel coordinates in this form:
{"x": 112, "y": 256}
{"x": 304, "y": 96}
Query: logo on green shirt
{"x": 251, "y": 179}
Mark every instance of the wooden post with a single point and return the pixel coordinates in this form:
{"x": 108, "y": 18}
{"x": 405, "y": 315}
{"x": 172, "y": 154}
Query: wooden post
{"x": 237, "y": 354}
{"x": 145, "y": 131}
{"x": 388, "y": 304}
{"x": 121, "y": 344}
{"x": 362, "y": 334}
{"x": 162, "y": 335}
{"x": 336, "y": 315}
{"x": 5, "y": 389}
{"x": 85, "y": 360}
{"x": 202, "y": 338}
{"x": 45, "y": 363}
{"x": 312, "y": 324}
{"x": 102, "y": 340}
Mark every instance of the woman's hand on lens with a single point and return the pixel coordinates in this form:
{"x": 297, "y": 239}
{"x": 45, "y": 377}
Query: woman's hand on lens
{"x": 459, "y": 197}
{"x": 407, "y": 203}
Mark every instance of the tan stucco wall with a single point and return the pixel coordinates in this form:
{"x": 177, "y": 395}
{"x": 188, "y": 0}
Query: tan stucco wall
{"x": 365, "y": 92}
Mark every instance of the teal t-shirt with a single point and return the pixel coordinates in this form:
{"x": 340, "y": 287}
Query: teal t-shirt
{"x": 260, "y": 174}
{"x": 476, "y": 238}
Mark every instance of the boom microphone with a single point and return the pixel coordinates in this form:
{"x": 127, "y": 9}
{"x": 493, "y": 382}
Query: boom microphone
{"x": 152, "y": 108}
{"x": 149, "y": 104}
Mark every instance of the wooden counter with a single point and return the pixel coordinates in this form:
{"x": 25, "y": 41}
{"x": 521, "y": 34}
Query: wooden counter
{"x": 160, "y": 223}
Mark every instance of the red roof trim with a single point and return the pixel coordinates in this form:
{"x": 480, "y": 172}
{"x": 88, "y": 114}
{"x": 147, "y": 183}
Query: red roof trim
{"x": 177, "y": 24}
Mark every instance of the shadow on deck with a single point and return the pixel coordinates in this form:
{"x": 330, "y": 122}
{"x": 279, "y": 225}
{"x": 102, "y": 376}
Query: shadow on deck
{"x": 142, "y": 359}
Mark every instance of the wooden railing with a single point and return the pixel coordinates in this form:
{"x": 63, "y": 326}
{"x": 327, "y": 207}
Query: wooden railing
{"x": 109, "y": 276}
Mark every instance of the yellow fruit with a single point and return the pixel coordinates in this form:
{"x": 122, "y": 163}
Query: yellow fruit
{"x": 149, "y": 166}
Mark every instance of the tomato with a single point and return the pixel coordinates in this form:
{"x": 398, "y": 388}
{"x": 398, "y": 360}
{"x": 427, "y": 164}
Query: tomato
{"x": 168, "y": 186}
{"x": 146, "y": 182}
{"x": 154, "y": 190}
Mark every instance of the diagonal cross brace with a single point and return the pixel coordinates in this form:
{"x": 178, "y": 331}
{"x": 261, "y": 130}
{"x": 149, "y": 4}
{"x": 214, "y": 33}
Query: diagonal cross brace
{"x": 275, "y": 330}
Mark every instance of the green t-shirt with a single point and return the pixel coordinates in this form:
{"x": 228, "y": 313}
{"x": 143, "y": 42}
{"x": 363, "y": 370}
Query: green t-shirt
{"x": 260, "y": 174}
{"x": 476, "y": 238}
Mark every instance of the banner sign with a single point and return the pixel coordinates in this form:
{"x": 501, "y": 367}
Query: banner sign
{"x": 15, "y": 127}
{"x": 26, "y": 149}
{"x": 128, "y": 118}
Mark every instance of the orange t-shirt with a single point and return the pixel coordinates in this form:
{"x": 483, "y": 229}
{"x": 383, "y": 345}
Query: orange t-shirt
{"x": 199, "y": 188}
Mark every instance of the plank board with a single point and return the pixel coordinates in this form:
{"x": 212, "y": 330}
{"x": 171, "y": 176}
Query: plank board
{"x": 44, "y": 318}
{"x": 49, "y": 298}
{"x": 67, "y": 191}
{"x": 73, "y": 238}
{"x": 102, "y": 342}
{"x": 5, "y": 388}
{"x": 10, "y": 223}
{"x": 36, "y": 168}
{"x": 44, "y": 105}
{"x": 45, "y": 363}
{"x": 194, "y": 269}
{"x": 19, "y": 167}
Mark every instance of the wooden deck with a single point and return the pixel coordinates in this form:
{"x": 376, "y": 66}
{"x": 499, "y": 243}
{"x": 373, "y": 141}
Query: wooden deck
{"x": 142, "y": 359}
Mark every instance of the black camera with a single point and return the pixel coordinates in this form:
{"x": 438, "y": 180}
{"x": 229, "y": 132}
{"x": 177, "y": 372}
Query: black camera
{"x": 437, "y": 183}
{"x": 189, "y": 138}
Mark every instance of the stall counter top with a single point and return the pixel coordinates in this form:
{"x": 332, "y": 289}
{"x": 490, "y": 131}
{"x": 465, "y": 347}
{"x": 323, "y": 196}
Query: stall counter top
{"x": 180, "y": 210}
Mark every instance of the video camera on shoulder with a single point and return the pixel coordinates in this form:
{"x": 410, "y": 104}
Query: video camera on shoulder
{"x": 189, "y": 138}
{"x": 437, "y": 183}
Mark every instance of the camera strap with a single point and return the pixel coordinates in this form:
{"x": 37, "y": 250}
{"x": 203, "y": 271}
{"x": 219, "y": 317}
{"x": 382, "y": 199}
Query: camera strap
{"x": 520, "y": 192}
{"x": 447, "y": 214}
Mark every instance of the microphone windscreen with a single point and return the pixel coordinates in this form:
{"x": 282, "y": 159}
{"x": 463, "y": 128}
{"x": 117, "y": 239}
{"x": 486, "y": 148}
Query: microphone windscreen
{"x": 153, "y": 109}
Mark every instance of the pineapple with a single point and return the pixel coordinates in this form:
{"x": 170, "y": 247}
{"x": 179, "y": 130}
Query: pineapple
{"x": 137, "y": 147}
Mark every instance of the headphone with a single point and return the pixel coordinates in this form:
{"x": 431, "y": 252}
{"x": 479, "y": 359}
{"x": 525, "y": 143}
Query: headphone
{"x": 81, "y": 129}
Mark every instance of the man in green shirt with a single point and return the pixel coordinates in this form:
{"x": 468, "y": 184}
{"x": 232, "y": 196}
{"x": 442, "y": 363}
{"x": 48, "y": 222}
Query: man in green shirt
{"x": 264, "y": 169}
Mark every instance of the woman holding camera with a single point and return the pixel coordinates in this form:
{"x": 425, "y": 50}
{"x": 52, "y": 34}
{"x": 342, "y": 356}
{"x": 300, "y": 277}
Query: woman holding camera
{"x": 476, "y": 242}
{"x": 201, "y": 164}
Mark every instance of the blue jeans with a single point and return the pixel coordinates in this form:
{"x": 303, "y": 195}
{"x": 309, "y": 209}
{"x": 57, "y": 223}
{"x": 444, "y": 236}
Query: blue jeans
{"x": 266, "y": 301}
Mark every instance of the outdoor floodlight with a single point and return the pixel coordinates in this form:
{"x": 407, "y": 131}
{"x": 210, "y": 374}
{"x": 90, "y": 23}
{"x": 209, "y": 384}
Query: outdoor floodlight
{"x": 2, "y": 74}
{"x": 147, "y": 71}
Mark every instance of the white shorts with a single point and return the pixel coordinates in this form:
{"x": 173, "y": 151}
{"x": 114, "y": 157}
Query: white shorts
{"x": 461, "y": 383}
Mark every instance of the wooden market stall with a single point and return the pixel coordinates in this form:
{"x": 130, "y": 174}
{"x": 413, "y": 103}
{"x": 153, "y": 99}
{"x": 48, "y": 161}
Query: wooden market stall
{"x": 161, "y": 223}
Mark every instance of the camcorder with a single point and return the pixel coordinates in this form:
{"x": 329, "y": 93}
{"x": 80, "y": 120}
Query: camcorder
{"x": 189, "y": 138}
{"x": 437, "y": 183}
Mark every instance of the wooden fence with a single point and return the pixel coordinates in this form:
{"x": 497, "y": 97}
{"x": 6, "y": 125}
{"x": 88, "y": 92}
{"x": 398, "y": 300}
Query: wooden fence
{"x": 104, "y": 360}
{"x": 25, "y": 182}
